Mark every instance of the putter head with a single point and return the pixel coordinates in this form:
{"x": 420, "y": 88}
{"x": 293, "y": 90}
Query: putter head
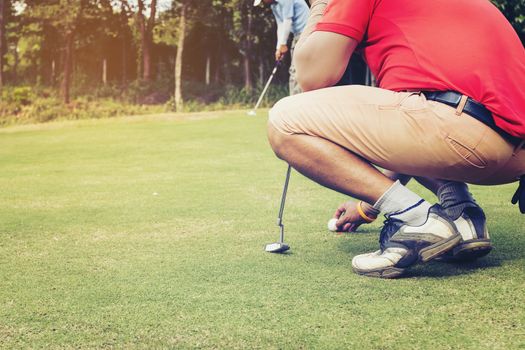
{"x": 277, "y": 247}
{"x": 252, "y": 113}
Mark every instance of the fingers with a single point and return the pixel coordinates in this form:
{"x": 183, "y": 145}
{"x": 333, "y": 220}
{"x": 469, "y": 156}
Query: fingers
{"x": 348, "y": 217}
{"x": 340, "y": 211}
{"x": 342, "y": 220}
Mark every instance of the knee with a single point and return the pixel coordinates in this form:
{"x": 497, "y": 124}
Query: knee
{"x": 277, "y": 140}
{"x": 278, "y": 132}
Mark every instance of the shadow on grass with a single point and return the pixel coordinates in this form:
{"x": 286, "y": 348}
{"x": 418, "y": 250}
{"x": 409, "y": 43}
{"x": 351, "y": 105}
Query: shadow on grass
{"x": 442, "y": 269}
{"x": 438, "y": 269}
{"x": 285, "y": 254}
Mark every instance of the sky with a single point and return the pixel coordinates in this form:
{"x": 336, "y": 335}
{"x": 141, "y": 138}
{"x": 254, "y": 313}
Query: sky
{"x": 162, "y": 4}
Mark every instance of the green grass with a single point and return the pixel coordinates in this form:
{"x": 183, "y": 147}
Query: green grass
{"x": 149, "y": 233}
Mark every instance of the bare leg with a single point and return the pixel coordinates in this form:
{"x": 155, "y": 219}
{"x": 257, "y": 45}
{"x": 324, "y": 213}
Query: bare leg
{"x": 330, "y": 165}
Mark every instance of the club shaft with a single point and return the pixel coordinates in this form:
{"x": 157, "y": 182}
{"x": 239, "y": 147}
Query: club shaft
{"x": 283, "y": 200}
{"x": 266, "y": 87}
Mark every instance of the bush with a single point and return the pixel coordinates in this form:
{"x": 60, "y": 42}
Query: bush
{"x": 38, "y": 104}
{"x": 19, "y": 96}
{"x": 22, "y": 95}
{"x": 215, "y": 98}
{"x": 234, "y": 95}
{"x": 45, "y": 109}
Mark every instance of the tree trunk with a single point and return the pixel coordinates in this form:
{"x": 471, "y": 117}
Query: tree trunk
{"x": 261, "y": 72}
{"x": 248, "y": 84}
{"x": 146, "y": 37}
{"x": 68, "y": 65}
{"x": 141, "y": 27}
{"x": 124, "y": 62}
{"x": 146, "y": 57}
{"x": 223, "y": 54}
{"x": 15, "y": 67}
{"x": 53, "y": 72}
{"x": 208, "y": 70}
{"x": 3, "y": 5}
{"x": 124, "y": 65}
{"x": 227, "y": 70}
{"x": 217, "y": 75}
{"x": 178, "y": 59}
{"x": 105, "y": 71}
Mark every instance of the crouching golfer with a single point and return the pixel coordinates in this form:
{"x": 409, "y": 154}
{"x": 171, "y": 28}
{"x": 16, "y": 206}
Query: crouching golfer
{"x": 291, "y": 17}
{"x": 446, "y": 108}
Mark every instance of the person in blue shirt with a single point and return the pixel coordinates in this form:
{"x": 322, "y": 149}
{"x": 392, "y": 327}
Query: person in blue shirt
{"x": 291, "y": 17}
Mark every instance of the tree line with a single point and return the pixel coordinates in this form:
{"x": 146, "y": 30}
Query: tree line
{"x": 120, "y": 42}
{"x": 153, "y": 45}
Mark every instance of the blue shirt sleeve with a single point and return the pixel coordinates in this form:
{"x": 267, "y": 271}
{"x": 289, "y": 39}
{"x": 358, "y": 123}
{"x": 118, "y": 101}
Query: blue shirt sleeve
{"x": 287, "y": 8}
{"x": 277, "y": 12}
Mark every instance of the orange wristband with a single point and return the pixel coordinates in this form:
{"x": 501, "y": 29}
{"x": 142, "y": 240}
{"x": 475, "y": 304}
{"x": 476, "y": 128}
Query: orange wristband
{"x": 362, "y": 213}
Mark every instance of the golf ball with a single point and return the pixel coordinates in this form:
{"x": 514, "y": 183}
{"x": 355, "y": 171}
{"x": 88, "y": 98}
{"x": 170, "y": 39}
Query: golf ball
{"x": 332, "y": 225}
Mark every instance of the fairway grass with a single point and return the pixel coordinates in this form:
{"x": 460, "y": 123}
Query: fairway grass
{"x": 149, "y": 233}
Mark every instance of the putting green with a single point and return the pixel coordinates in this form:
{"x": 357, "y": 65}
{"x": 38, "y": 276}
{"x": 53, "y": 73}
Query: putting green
{"x": 148, "y": 232}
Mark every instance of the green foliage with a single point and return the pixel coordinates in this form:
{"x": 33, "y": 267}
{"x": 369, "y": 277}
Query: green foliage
{"x": 24, "y": 105}
{"x": 236, "y": 95}
{"x": 514, "y": 11}
{"x": 225, "y": 34}
{"x": 21, "y": 105}
{"x": 208, "y": 98}
{"x": 42, "y": 110}
{"x": 20, "y": 95}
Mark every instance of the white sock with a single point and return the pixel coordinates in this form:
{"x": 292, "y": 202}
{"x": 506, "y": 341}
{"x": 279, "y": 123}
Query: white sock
{"x": 400, "y": 203}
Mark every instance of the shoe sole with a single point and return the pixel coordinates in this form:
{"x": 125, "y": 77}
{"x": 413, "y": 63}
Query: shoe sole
{"x": 426, "y": 254}
{"x": 389, "y": 272}
{"x": 433, "y": 251}
{"x": 469, "y": 251}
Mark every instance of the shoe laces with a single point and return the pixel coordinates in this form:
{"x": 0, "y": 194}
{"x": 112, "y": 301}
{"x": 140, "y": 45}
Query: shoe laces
{"x": 390, "y": 227}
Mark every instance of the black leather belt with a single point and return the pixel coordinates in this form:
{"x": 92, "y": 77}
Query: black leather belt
{"x": 472, "y": 108}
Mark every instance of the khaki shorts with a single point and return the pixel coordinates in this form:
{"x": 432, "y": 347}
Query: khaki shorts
{"x": 402, "y": 132}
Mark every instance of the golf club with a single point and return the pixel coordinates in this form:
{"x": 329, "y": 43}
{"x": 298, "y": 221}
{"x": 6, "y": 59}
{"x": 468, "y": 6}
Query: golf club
{"x": 281, "y": 247}
{"x": 253, "y": 112}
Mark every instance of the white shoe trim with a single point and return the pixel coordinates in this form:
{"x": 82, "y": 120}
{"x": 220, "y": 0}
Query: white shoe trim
{"x": 466, "y": 228}
{"x": 433, "y": 226}
{"x": 377, "y": 260}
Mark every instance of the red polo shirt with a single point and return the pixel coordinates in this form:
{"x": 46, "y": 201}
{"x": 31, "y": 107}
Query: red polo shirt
{"x": 466, "y": 46}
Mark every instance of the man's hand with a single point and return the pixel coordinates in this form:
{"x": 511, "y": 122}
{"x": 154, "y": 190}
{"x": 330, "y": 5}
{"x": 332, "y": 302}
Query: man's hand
{"x": 348, "y": 217}
{"x": 280, "y": 52}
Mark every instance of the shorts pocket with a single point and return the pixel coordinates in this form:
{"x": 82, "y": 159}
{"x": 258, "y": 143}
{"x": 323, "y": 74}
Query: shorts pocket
{"x": 406, "y": 102}
{"x": 468, "y": 154}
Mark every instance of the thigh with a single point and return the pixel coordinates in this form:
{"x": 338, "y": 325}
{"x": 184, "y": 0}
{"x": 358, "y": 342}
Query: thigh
{"x": 399, "y": 131}
{"x": 509, "y": 172}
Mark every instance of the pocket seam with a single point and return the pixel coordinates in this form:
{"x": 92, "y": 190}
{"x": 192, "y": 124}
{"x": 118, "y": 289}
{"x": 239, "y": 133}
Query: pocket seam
{"x": 453, "y": 144}
{"x": 399, "y": 104}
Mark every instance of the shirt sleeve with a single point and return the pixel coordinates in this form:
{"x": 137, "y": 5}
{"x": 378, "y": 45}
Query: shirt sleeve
{"x": 287, "y": 6}
{"x": 347, "y": 17}
{"x": 276, "y": 16}
{"x": 283, "y": 32}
